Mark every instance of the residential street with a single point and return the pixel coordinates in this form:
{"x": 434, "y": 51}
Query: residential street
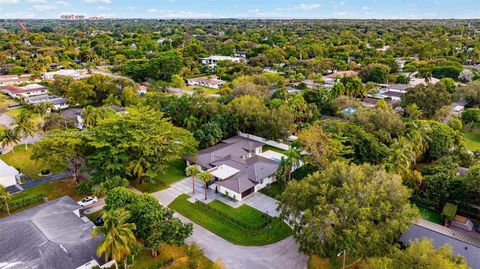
{"x": 283, "y": 254}
{"x": 6, "y": 121}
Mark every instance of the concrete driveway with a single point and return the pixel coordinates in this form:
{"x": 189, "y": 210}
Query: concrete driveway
{"x": 283, "y": 254}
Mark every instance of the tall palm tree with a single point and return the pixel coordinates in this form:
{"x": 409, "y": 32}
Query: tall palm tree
{"x": 89, "y": 115}
{"x": 193, "y": 171}
{"x": 205, "y": 177}
{"x": 9, "y": 138}
{"x": 294, "y": 159}
{"x": 24, "y": 126}
{"x": 119, "y": 236}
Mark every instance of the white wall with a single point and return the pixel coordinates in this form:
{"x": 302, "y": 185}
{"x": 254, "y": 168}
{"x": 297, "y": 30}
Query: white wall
{"x": 266, "y": 141}
{"x": 7, "y": 181}
{"x": 265, "y": 181}
{"x": 224, "y": 190}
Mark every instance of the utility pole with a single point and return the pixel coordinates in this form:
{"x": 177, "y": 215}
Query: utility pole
{"x": 6, "y": 203}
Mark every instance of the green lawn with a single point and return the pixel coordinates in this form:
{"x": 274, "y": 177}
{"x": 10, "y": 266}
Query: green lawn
{"x": 227, "y": 230}
{"x": 166, "y": 252}
{"x": 20, "y": 159}
{"x": 268, "y": 147}
{"x": 175, "y": 171}
{"x": 274, "y": 191}
{"x": 429, "y": 215}
{"x": 5, "y": 102}
{"x": 53, "y": 190}
{"x": 3, "y": 127}
{"x": 243, "y": 213}
{"x": 472, "y": 140}
{"x": 36, "y": 118}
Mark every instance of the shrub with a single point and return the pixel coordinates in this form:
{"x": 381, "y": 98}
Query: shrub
{"x": 45, "y": 172}
{"x": 85, "y": 187}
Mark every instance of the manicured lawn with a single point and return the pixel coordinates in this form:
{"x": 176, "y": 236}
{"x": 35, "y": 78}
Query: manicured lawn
{"x": 175, "y": 171}
{"x": 244, "y": 213}
{"x": 53, "y": 190}
{"x": 274, "y": 191}
{"x": 472, "y": 140}
{"x": 5, "y": 102}
{"x": 268, "y": 147}
{"x": 227, "y": 230}
{"x": 209, "y": 90}
{"x": 20, "y": 159}
{"x": 429, "y": 215}
{"x": 166, "y": 252}
{"x": 36, "y": 118}
{"x": 3, "y": 127}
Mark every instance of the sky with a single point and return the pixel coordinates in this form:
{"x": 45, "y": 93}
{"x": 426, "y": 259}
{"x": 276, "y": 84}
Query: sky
{"x": 281, "y": 9}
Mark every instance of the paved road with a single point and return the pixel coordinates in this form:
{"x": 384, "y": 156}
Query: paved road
{"x": 283, "y": 254}
{"x": 6, "y": 121}
{"x": 34, "y": 183}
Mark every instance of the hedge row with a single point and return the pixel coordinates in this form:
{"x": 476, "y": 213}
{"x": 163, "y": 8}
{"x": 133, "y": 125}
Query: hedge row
{"x": 235, "y": 221}
{"x": 16, "y": 204}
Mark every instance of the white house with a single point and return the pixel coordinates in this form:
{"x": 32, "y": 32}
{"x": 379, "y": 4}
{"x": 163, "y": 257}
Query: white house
{"x": 212, "y": 61}
{"x": 64, "y": 72}
{"x": 57, "y": 102}
{"x": 209, "y": 82}
{"x": 8, "y": 174}
{"x": 25, "y": 91}
{"x": 6, "y": 80}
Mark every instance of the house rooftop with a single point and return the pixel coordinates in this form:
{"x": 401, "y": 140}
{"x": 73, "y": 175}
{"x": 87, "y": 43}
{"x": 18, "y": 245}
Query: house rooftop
{"x": 50, "y": 235}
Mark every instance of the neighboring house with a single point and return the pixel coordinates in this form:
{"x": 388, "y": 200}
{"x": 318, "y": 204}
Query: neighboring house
{"x": 238, "y": 165}
{"x": 212, "y": 61}
{"x": 7, "y": 80}
{"x": 341, "y": 74}
{"x": 209, "y": 82}
{"x": 74, "y": 114}
{"x": 25, "y": 91}
{"x": 57, "y": 102}
{"x": 461, "y": 241}
{"x": 51, "y": 235}
{"x": 417, "y": 81}
{"x": 8, "y": 175}
{"x": 64, "y": 72}
{"x": 240, "y": 54}
{"x": 392, "y": 91}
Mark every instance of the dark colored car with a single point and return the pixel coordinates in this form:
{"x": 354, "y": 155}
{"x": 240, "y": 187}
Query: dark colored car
{"x": 99, "y": 221}
{"x": 478, "y": 228}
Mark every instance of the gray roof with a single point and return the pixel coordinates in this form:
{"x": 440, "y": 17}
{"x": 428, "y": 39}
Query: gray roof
{"x": 237, "y": 183}
{"x": 461, "y": 242}
{"x": 71, "y": 112}
{"x": 235, "y": 146}
{"x": 256, "y": 167}
{"x": 47, "y": 236}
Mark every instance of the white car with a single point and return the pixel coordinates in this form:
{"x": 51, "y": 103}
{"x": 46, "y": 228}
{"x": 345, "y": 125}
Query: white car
{"x": 90, "y": 200}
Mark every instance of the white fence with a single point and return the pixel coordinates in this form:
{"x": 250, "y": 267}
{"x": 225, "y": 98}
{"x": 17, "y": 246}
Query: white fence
{"x": 266, "y": 141}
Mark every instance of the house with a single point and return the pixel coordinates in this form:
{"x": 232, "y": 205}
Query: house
{"x": 74, "y": 114}
{"x": 7, "y": 80}
{"x": 64, "y": 72}
{"x": 25, "y": 91}
{"x": 212, "y": 61}
{"x": 417, "y": 81}
{"x": 392, "y": 91}
{"x": 51, "y": 235}
{"x": 239, "y": 166}
{"x": 8, "y": 174}
{"x": 57, "y": 102}
{"x": 241, "y": 54}
{"x": 462, "y": 223}
{"x": 462, "y": 242}
{"x": 341, "y": 74}
{"x": 209, "y": 82}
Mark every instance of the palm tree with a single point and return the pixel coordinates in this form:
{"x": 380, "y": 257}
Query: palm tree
{"x": 119, "y": 236}
{"x": 89, "y": 115}
{"x": 138, "y": 168}
{"x": 24, "y": 126}
{"x": 293, "y": 158}
{"x": 205, "y": 177}
{"x": 9, "y": 138}
{"x": 193, "y": 171}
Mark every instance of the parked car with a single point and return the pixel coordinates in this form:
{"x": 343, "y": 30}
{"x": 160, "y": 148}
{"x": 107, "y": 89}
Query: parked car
{"x": 99, "y": 221}
{"x": 478, "y": 228}
{"x": 90, "y": 200}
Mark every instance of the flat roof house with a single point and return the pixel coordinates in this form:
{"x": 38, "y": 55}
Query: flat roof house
{"x": 238, "y": 165}
{"x": 8, "y": 174}
{"x": 65, "y": 72}
{"x": 209, "y": 82}
{"x": 51, "y": 235}
{"x": 57, "y": 102}
{"x": 25, "y": 91}
{"x": 212, "y": 61}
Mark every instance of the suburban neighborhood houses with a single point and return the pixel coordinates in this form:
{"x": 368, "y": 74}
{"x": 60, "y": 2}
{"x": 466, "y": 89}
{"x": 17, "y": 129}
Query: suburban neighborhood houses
{"x": 239, "y": 135}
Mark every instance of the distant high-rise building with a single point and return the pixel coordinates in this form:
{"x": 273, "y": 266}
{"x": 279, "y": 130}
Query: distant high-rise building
{"x": 72, "y": 17}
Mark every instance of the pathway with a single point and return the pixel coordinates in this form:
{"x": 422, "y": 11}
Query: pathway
{"x": 6, "y": 121}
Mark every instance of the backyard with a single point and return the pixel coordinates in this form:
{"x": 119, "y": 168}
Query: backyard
{"x": 472, "y": 138}
{"x": 53, "y": 190}
{"x": 274, "y": 191}
{"x": 430, "y": 215}
{"x": 227, "y": 230}
{"x": 20, "y": 159}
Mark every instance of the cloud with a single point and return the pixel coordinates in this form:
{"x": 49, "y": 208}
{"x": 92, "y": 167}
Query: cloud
{"x": 255, "y": 10}
{"x": 102, "y": 8}
{"x": 44, "y": 6}
{"x": 98, "y": 1}
{"x": 152, "y": 10}
{"x": 9, "y": 1}
{"x": 365, "y": 8}
{"x": 304, "y": 6}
